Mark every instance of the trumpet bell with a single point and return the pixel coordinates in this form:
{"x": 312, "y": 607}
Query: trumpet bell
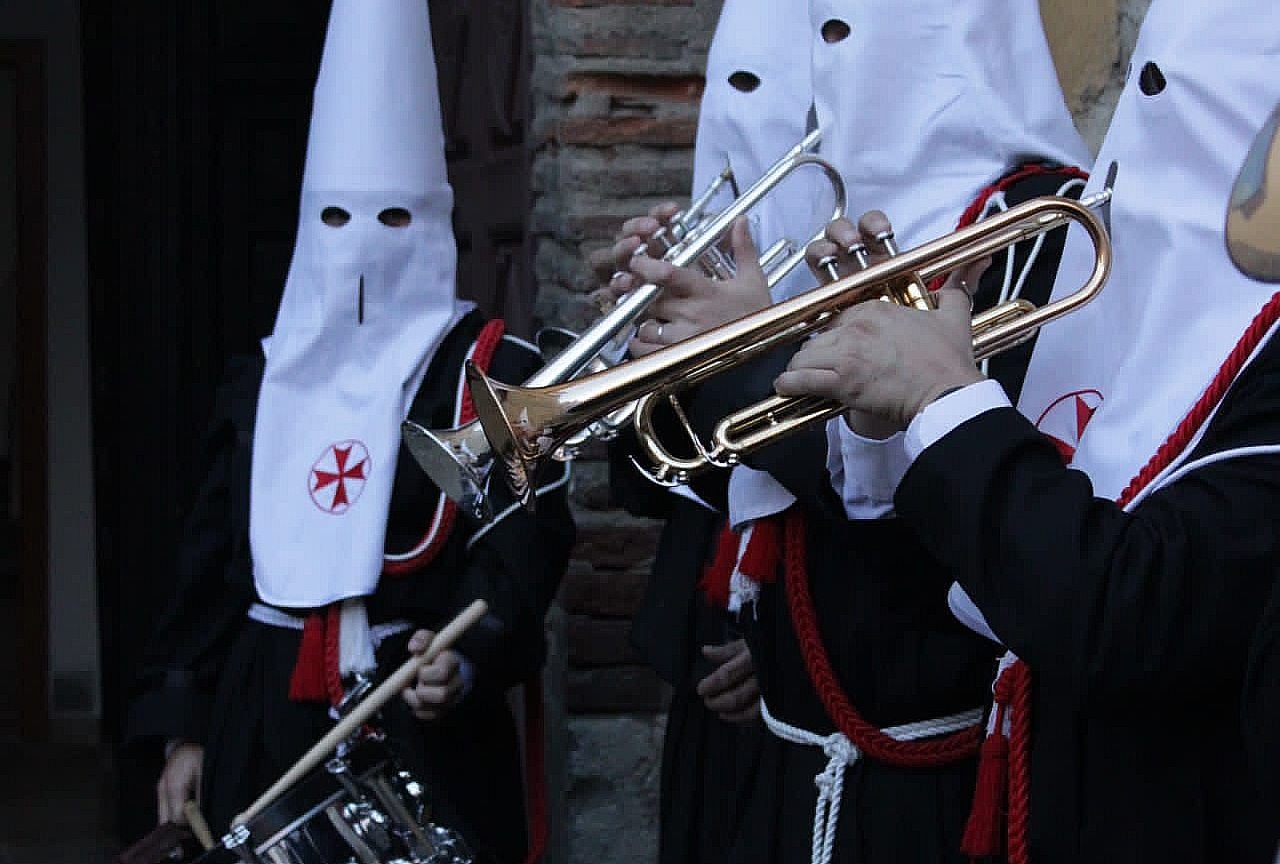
{"x": 457, "y": 459}
{"x": 518, "y": 457}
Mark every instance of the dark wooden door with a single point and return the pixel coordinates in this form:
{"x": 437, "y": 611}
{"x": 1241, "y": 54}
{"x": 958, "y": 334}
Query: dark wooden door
{"x": 197, "y": 116}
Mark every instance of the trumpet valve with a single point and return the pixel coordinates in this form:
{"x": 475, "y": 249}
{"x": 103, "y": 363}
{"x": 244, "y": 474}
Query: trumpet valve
{"x": 858, "y": 251}
{"x": 661, "y": 475}
{"x": 915, "y": 294}
{"x": 886, "y": 241}
{"x": 827, "y": 265}
{"x": 912, "y": 292}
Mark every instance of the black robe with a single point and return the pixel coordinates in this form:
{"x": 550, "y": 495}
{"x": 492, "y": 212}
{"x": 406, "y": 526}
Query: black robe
{"x": 218, "y": 678}
{"x": 707, "y": 763}
{"x": 880, "y": 600}
{"x": 1261, "y": 708}
{"x": 1135, "y": 625}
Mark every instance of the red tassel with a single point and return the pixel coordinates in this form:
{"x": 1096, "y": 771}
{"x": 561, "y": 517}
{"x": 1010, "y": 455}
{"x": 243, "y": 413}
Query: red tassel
{"x": 982, "y": 833}
{"x": 715, "y": 578}
{"x": 307, "y": 684}
{"x": 763, "y": 554}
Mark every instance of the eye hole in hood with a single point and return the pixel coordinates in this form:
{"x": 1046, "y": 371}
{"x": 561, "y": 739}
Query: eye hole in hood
{"x": 834, "y": 30}
{"x": 395, "y": 217}
{"x": 334, "y": 217}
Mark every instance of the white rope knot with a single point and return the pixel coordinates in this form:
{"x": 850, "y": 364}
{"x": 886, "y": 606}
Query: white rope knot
{"x": 842, "y": 753}
{"x": 840, "y": 749}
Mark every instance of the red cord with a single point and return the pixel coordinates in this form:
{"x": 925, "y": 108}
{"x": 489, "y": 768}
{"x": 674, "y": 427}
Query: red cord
{"x": 535, "y": 768}
{"x": 482, "y": 352}
{"x": 873, "y": 743}
{"x": 1019, "y": 763}
{"x": 1200, "y": 412}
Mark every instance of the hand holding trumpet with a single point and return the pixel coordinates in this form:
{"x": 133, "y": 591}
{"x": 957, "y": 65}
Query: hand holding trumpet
{"x": 691, "y": 301}
{"x": 882, "y": 360}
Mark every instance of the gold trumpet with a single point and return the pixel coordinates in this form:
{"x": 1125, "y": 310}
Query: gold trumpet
{"x": 525, "y": 425}
{"x": 460, "y": 459}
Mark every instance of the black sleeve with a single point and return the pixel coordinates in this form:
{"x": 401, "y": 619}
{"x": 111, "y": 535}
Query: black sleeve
{"x": 516, "y": 561}
{"x": 1260, "y": 710}
{"x": 186, "y": 651}
{"x": 1116, "y": 606}
{"x": 515, "y": 564}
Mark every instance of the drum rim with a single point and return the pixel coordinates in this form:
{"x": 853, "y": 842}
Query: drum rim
{"x": 314, "y": 810}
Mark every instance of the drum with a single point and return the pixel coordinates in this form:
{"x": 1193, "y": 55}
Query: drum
{"x": 360, "y": 808}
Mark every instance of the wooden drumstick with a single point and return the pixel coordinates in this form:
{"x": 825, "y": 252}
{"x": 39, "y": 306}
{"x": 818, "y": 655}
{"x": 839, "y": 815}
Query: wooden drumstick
{"x": 399, "y": 680}
{"x": 199, "y": 826}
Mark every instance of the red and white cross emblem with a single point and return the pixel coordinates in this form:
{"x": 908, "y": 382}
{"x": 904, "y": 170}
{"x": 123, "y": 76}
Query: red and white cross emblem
{"x": 1063, "y": 422}
{"x": 338, "y": 476}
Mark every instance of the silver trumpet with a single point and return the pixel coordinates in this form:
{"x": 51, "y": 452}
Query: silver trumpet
{"x": 460, "y": 459}
{"x": 776, "y": 262}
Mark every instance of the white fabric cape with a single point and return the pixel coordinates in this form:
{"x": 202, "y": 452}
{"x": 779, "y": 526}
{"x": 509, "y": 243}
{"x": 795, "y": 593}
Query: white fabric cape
{"x": 365, "y": 305}
{"x": 1175, "y": 305}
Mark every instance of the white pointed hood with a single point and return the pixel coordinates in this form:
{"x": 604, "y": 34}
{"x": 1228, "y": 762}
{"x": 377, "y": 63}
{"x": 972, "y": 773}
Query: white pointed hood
{"x": 1175, "y": 306}
{"x": 926, "y": 102}
{"x": 754, "y": 109}
{"x": 369, "y": 297}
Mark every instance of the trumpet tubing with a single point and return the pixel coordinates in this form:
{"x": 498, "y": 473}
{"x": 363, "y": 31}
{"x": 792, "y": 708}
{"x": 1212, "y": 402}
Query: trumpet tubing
{"x": 525, "y": 425}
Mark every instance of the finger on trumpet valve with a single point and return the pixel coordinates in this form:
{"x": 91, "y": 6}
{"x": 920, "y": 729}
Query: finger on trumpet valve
{"x": 828, "y": 264}
{"x": 858, "y": 251}
{"x": 886, "y": 241}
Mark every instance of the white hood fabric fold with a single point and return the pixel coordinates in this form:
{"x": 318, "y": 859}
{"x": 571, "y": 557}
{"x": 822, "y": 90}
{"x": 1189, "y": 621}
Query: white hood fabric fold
{"x": 927, "y": 102}
{"x": 367, "y": 301}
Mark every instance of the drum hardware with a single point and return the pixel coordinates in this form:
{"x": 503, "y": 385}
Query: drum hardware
{"x": 459, "y": 460}
{"x": 360, "y": 807}
{"x": 347, "y": 800}
{"x": 525, "y": 425}
{"x": 361, "y": 684}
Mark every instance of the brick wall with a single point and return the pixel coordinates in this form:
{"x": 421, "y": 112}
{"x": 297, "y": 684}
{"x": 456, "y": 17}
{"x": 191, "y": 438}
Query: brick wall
{"x": 616, "y": 84}
{"x": 616, "y": 87}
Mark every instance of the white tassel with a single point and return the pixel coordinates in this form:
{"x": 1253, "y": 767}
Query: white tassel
{"x": 355, "y": 642}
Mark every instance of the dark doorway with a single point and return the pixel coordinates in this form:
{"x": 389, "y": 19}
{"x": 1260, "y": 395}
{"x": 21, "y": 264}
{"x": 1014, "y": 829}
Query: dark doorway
{"x": 24, "y": 597}
{"x": 196, "y": 123}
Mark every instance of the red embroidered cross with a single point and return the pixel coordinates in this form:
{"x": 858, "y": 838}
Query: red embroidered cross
{"x": 346, "y": 475}
{"x": 1064, "y": 422}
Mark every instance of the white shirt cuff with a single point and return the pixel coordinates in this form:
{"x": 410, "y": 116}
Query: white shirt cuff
{"x": 865, "y": 472}
{"x": 968, "y": 613}
{"x": 946, "y": 414}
